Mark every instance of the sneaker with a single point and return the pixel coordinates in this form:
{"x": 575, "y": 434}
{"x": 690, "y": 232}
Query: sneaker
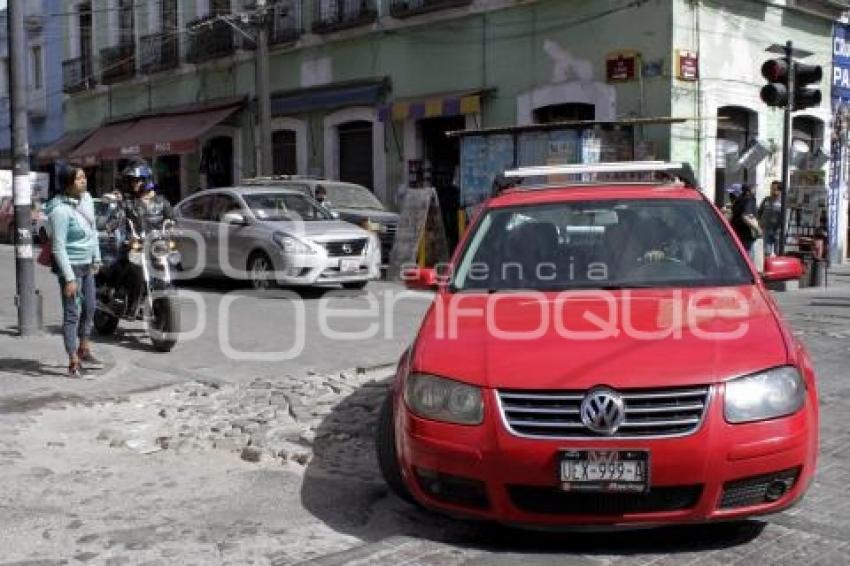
{"x": 89, "y": 358}
{"x": 75, "y": 370}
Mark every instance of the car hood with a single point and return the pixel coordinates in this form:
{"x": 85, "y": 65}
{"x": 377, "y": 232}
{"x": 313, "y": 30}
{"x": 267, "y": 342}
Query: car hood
{"x": 359, "y": 215}
{"x": 621, "y": 339}
{"x": 320, "y": 230}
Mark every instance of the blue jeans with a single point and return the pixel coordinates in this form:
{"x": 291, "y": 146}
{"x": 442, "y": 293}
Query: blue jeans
{"x": 78, "y": 311}
{"x": 771, "y": 241}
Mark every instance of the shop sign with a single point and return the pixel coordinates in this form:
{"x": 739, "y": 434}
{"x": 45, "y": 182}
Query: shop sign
{"x": 688, "y": 65}
{"x": 162, "y": 147}
{"x": 622, "y": 66}
{"x": 130, "y": 150}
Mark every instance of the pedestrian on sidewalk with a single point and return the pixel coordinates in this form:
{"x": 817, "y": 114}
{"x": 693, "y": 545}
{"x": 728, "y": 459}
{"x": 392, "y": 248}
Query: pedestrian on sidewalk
{"x": 744, "y": 220}
{"x": 76, "y": 260}
{"x": 770, "y": 218}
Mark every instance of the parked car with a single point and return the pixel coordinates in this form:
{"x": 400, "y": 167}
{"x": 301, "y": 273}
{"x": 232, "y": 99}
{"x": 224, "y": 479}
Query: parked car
{"x": 350, "y": 202}
{"x": 274, "y": 235}
{"x": 602, "y": 355}
{"x": 7, "y": 221}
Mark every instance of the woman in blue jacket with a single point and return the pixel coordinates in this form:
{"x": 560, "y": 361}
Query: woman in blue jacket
{"x": 76, "y": 259}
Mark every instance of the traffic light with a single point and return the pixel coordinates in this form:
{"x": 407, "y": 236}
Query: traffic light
{"x": 806, "y": 96}
{"x": 775, "y": 93}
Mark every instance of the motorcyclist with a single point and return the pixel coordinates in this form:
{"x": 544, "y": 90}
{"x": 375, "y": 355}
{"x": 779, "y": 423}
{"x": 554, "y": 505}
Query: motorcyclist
{"x": 147, "y": 209}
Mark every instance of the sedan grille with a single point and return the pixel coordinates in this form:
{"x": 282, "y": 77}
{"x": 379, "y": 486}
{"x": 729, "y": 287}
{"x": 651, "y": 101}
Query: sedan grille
{"x": 345, "y": 248}
{"x": 648, "y": 412}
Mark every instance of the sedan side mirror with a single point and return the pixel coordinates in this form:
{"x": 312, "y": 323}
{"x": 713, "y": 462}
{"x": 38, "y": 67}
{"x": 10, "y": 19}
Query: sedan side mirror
{"x": 235, "y": 218}
{"x": 420, "y": 278}
{"x": 782, "y": 268}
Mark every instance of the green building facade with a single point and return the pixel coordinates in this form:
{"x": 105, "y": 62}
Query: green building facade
{"x": 365, "y": 90}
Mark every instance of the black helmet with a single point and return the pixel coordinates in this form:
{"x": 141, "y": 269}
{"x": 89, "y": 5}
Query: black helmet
{"x": 138, "y": 170}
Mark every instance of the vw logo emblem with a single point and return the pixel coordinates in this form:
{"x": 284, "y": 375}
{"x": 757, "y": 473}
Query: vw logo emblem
{"x": 346, "y": 248}
{"x": 602, "y": 411}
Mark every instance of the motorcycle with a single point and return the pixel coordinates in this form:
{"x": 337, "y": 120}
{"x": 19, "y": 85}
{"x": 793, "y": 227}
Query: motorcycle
{"x": 139, "y": 287}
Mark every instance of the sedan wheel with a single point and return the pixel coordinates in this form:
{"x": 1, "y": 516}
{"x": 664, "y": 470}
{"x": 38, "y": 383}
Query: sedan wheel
{"x": 261, "y": 271}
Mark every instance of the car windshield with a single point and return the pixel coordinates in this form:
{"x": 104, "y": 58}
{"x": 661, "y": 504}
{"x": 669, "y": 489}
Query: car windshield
{"x": 285, "y": 206}
{"x": 607, "y": 244}
{"x": 351, "y": 196}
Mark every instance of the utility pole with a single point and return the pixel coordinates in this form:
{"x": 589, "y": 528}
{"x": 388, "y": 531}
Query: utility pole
{"x": 26, "y": 298}
{"x": 262, "y": 88}
{"x": 786, "y": 145}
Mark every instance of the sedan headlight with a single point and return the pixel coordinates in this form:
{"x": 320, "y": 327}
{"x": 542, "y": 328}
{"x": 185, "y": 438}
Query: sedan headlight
{"x": 441, "y": 399}
{"x": 765, "y": 395}
{"x": 371, "y": 226}
{"x": 291, "y": 244}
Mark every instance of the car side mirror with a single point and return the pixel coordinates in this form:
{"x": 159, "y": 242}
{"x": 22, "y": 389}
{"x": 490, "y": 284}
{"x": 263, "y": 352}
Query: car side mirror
{"x": 782, "y": 268}
{"x": 420, "y": 278}
{"x": 235, "y": 218}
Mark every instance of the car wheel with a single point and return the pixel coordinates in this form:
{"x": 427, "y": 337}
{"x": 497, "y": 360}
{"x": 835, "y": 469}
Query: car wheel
{"x": 261, "y": 271}
{"x": 385, "y": 448}
{"x": 356, "y": 285}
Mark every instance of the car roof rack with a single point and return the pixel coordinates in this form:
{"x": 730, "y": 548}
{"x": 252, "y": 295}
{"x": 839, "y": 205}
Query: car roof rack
{"x": 606, "y": 173}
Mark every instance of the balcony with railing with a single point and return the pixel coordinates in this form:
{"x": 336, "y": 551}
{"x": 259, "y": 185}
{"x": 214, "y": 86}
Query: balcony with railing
{"x": 209, "y": 38}
{"x": 335, "y": 15}
{"x": 159, "y": 52}
{"x": 286, "y": 24}
{"x": 117, "y": 63}
{"x": 77, "y": 75}
{"x": 408, "y": 8}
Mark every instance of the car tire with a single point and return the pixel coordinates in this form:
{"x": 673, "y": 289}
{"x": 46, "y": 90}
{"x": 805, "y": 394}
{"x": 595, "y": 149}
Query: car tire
{"x": 355, "y": 285}
{"x": 261, "y": 271}
{"x": 105, "y": 323}
{"x": 385, "y": 447}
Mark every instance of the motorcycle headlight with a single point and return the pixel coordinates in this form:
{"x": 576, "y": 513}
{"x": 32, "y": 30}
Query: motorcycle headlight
{"x": 291, "y": 244}
{"x": 441, "y": 399}
{"x": 370, "y": 226}
{"x": 765, "y": 395}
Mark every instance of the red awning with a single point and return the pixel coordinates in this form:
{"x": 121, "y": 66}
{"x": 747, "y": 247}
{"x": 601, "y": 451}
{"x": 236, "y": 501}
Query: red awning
{"x": 61, "y": 147}
{"x": 89, "y": 152}
{"x": 164, "y": 135}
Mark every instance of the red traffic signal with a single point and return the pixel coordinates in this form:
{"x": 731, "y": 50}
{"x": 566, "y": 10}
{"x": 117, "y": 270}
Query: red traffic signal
{"x": 776, "y": 92}
{"x": 775, "y": 70}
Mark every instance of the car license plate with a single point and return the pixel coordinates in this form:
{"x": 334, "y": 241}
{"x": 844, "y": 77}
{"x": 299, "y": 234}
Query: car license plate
{"x": 349, "y": 265}
{"x": 604, "y": 470}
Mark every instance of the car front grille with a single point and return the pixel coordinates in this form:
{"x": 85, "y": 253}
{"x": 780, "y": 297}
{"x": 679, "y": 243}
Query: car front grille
{"x": 553, "y": 501}
{"x": 344, "y": 248}
{"x": 648, "y": 412}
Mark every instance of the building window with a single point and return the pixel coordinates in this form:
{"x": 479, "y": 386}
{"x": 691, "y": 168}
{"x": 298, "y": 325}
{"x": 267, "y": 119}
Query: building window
{"x": 126, "y": 23}
{"x": 37, "y": 67}
{"x": 4, "y": 77}
{"x": 355, "y": 153}
{"x": 284, "y": 153}
{"x": 568, "y": 112}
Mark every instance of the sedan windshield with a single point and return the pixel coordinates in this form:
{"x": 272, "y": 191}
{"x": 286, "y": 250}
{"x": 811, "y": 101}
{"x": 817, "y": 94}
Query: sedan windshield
{"x": 352, "y": 196}
{"x": 285, "y": 206}
{"x": 601, "y": 245}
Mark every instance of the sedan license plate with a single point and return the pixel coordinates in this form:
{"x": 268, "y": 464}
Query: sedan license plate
{"x": 604, "y": 470}
{"x": 349, "y": 265}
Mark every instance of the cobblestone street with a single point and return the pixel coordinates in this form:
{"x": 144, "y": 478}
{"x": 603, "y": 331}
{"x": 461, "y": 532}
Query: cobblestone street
{"x": 281, "y": 470}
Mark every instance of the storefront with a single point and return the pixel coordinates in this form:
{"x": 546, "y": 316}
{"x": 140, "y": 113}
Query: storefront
{"x": 166, "y": 140}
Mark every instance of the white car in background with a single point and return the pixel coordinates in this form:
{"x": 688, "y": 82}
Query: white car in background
{"x": 274, "y": 235}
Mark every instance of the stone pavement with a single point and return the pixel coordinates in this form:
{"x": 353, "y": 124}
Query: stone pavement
{"x": 280, "y": 470}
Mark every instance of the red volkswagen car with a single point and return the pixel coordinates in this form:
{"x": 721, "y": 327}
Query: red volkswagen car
{"x": 602, "y": 353}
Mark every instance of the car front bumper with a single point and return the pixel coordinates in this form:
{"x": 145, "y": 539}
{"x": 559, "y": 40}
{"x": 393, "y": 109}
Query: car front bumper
{"x": 319, "y": 268}
{"x": 720, "y": 472}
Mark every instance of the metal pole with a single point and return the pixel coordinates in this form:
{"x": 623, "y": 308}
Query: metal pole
{"x": 786, "y": 149}
{"x": 27, "y": 296}
{"x": 262, "y": 87}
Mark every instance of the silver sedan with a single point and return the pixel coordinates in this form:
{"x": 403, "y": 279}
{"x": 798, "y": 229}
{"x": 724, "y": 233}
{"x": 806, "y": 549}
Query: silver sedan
{"x": 269, "y": 235}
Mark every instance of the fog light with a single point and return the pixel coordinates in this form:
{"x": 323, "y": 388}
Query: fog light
{"x": 775, "y": 491}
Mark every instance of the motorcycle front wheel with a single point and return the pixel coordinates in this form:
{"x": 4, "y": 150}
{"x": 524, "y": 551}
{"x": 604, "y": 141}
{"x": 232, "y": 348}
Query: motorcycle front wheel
{"x": 164, "y": 323}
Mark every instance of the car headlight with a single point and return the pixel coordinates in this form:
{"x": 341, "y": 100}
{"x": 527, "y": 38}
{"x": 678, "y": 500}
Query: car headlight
{"x": 291, "y": 244}
{"x": 441, "y": 399}
{"x": 765, "y": 395}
